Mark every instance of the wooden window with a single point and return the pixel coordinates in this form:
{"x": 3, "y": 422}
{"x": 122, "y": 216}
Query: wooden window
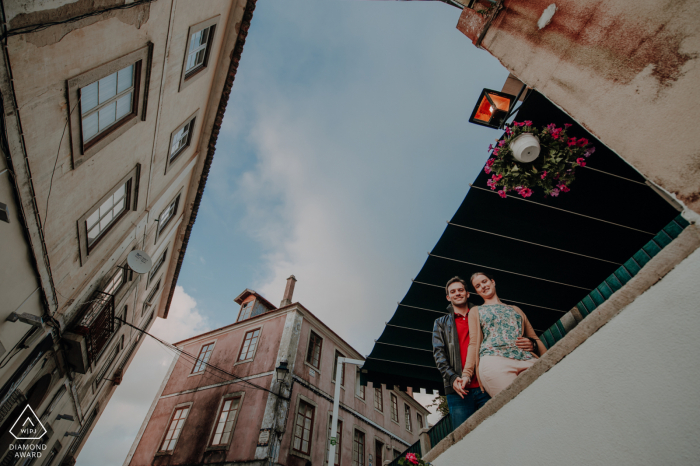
{"x": 358, "y": 449}
{"x": 200, "y": 39}
{"x": 115, "y": 282}
{"x": 167, "y": 215}
{"x": 394, "y": 408}
{"x": 250, "y": 342}
{"x": 111, "y": 98}
{"x": 303, "y": 428}
{"x": 174, "y": 428}
{"x": 397, "y": 453}
{"x": 338, "y": 354}
{"x": 159, "y": 263}
{"x": 407, "y": 415}
{"x": 246, "y": 309}
{"x": 225, "y": 421}
{"x": 339, "y": 443}
{"x": 420, "y": 420}
{"x": 313, "y": 354}
{"x": 106, "y": 213}
{"x": 150, "y": 299}
{"x": 378, "y": 399}
{"x": 359, "y": 388}
{"x": 378, "y": 452}
{"x": 203, "y": 358}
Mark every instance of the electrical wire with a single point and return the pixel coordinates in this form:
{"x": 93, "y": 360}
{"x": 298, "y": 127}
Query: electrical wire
{"x": 195, "y": 358}
{"x": 41, "y": 26}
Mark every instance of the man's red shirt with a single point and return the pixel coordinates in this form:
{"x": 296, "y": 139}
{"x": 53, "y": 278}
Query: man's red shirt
{"x": 462, "y": 324}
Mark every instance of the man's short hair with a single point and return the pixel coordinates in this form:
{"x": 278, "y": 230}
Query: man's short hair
{"x": 455, "y": 280}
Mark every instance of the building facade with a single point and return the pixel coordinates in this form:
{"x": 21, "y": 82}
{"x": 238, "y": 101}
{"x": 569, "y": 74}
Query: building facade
{"x": 228, "y": 398}
{"x": 111, "y": 112}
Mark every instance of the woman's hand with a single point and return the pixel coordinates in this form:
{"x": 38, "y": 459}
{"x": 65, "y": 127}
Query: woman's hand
{"x": 525, "y": 344}
{"x": 458, "y": 386}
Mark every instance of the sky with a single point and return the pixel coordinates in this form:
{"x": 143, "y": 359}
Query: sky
{"x": 344, "y": 150}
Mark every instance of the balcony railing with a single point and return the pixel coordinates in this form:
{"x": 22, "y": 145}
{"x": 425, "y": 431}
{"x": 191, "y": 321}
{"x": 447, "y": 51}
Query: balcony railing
{"x": 96, "y": 323}
{"x": 436, "y": 433}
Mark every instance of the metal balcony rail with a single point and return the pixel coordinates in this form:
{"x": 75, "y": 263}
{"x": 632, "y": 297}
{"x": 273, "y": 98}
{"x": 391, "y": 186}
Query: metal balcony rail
{"x": 96, "y": 323}
{"x": 439, "y": 431}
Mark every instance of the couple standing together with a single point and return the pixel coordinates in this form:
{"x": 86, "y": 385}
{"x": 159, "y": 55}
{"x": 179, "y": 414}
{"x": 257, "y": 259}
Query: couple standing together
{"x": 480, "y": 351}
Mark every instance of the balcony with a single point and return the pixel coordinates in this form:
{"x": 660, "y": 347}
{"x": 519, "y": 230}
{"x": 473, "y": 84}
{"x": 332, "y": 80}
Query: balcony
{"x": 94, "y": 327}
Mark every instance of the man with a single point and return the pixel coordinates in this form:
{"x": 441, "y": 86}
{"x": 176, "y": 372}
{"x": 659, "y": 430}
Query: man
{"x": 450, "y": 344}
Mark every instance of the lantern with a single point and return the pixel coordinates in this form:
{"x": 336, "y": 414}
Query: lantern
{"x": 492, "y": 108}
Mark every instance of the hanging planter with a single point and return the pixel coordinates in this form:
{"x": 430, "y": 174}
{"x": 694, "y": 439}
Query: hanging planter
{"x": 529, "y": 157}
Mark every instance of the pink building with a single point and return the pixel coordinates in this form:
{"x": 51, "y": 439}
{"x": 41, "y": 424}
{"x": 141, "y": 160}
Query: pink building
{"x": 219, "y": 402}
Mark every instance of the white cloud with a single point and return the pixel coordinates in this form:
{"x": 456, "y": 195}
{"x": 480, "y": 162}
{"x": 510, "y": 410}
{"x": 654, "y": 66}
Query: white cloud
{"x": 118, "y": 426}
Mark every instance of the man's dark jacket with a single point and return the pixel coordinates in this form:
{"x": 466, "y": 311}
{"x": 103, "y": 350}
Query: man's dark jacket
{"x": 446, "y": 349}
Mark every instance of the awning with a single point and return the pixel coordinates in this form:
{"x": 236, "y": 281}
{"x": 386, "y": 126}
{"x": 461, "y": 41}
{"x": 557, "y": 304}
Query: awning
{"x": 546, "y": 253}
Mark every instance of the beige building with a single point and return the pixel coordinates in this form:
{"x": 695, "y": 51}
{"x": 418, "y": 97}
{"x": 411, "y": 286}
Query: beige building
{"x": 111, "y": 112}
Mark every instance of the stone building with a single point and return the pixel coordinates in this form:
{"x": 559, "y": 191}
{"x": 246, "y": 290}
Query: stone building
{"x": 111, "y": 112}
{"x": 260, "y": 391}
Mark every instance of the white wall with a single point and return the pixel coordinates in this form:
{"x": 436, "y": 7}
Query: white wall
{"x": 629, "y": 395}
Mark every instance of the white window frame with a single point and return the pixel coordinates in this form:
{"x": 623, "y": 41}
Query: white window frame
{"x": 245, "y": 305}
{"x": 227, "y": 445}
{"x": 162, "y": 259}
{"x": 172, "y": 209}
{"x": 255, "y": 350}
{"x": 191, "y": 123}
{"x": 188, "y": 77}
{"x": 407, "y": 417}
{"x": 204, "y": 362}
{"x": 152, "y": 297}
{"x": 314, "y": 425}
{"x": 188, "y": 406}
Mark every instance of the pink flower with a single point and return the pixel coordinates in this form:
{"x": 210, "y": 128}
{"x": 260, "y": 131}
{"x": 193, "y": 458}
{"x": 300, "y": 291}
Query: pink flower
{"x": 502, "y": 193}
{"x": 487, "y": 169}
{"x": 501, "y": 143}
{"x": 571, "y": 142}
{"x": 509, "y": 131}
{"x": 544, "y": 175}
{"x": 555, "y": 192}
{"x": 525, "y": 192}
{"x": 556, "y": 132}
{"x": 490, "y": 148}
{"x": 581, "y": 161}
{"x": 582, "y": 142}
{"x": 411, "y": 457}
{"x": 528, "y": 123}
{"x": 589, "y": 151}
{"x": 495, "y": 151}
{"x": 568, "y": 125}
{"x": 551, "y": 127}
{"x": 489, "y": 162}
{"x": 563, "y": 188}
{"x": 496, "y": 177}
{"x": 491, "y": 184}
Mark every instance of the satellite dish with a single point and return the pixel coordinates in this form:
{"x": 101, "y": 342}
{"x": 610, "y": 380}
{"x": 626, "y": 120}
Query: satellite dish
{"x": 139, "y": 261}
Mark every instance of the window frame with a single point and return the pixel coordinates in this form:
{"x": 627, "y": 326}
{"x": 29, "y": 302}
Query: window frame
{"x": 171, "y": 159}
{"x": 161, "y": 227}
{"x": 360, "y": 390}
{"x": 131, "y": 206}
{"x": 255, "y": 351}
{"x": 199, "y": 353}
{"x": 187, "y": 78}
{"x": 302, "y": 399}
{"x": 176, "y": 408}
{"x": 380, "y": 458}
{"x": 356, "y": 431}
{"x": 407, "y": 417}
{"x": 151, "y": 296}
{"x": 245, "y": 305}
{"x": 141, "y": 59}
{"x": 381, "y": 399}
{"x": 394, "y": 403}
{"x": 335, "y": 369}
{"x": 156, "y": 267}
{"x": 320, "y": 351}
{"x": 420, "y": 421}
{"x": 225, "y": 446}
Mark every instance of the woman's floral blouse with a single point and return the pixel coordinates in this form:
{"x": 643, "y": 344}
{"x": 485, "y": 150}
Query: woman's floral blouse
{"x": 501, "y": 326}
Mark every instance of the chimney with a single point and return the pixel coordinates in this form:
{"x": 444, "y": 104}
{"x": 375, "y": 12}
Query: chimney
{"x": 288, "y": 291}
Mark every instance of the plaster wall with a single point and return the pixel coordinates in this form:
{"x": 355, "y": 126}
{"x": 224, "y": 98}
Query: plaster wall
{"x": 626, "y": 70}
{"x": 627, "y": 396}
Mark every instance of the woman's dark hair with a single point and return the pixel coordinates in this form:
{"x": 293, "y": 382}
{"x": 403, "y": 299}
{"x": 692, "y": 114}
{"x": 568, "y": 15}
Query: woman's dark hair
{"x": 471, "y": 279}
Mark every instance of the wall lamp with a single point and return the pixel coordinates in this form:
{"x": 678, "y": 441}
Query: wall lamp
{"x": 492, "y": 109}
{"x": 72, "y": 434}
{"x": 67, "y": 417}
{"x": 282, "y": 370}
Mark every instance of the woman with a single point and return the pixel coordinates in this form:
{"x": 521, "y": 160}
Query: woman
{"x": 493, "y": 355}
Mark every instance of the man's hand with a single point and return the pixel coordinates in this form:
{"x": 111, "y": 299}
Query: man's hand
{"x": 458, "y": 386}
{"x": 524, "y": 344}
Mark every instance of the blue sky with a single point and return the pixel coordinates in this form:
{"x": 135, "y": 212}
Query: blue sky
{"x": 345, "y": 148}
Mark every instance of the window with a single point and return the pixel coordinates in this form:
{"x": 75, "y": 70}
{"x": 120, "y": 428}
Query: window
{"x": 378, "y": 399}
{"x": 246, "y": 310}
{"x": 203, "y": 358}
{"x": 313, "y": 354}
{"x": 303, "y": 427}
{"x": 394, "y": 408}
{"x": 225, "y": 421}
{"x": 180, "y": 139}
{"x": 339, "y": 443}
{"x": 358, "y": 449}
{"x": 420, "y": 420}
{"x": 52, "y": 455}
{"x": 200, "y": 38}
{"x": 167, "y": 215}
{"x": 359, "y": 388}
{"x": 107, "y": 364}
{"x": 115, "y": 282}
{"x": 378, "y": 452}
{"x": 397, "y": 453}
{"x": 109, "y": 101}
{"x": 107, "y": 212}
{"x": 156, "y": 267}
{"x": 335, "y": 368}
{"x": 174, "y": 429}
{"x": 250, "y": 343}
{"x": 407, "y": 415}
{"x": 150, "y": 298}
